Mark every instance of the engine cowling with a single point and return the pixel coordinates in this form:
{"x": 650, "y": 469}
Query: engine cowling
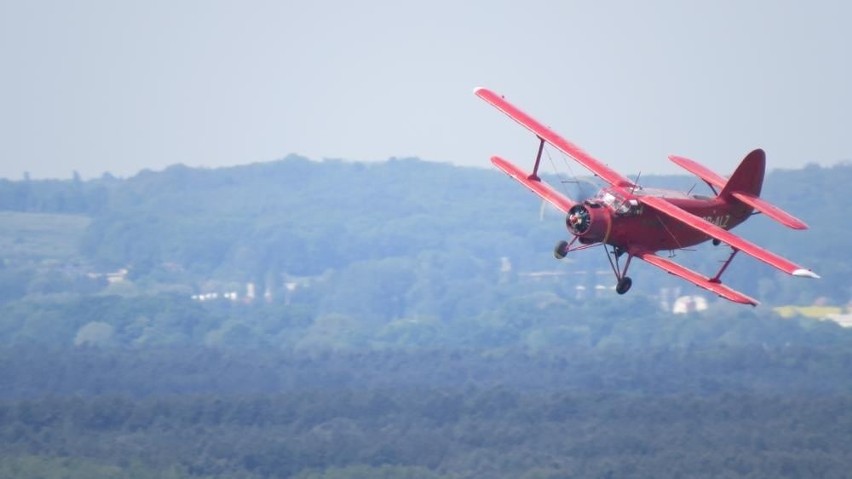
{"x": 591, "y": 222}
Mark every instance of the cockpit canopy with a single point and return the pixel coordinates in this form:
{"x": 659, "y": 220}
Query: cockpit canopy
{"x": 616, "y": 201}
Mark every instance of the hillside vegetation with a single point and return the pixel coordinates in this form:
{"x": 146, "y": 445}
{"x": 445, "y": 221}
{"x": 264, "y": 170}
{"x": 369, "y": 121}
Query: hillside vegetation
{"x": 297, "y": 218}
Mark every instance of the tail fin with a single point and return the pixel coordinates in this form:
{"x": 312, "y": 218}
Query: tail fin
{"x": 748, "y": 177}
{"x": 745, "y": 185}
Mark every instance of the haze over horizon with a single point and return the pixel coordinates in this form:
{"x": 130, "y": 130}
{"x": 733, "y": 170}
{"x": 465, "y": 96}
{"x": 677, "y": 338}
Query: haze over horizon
{"x": 97, "y": 86}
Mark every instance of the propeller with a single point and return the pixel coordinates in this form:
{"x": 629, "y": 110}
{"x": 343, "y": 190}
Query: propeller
{"x": 580, "y": 190}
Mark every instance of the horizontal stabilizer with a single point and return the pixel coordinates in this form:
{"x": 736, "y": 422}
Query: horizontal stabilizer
{"x": 697, "y": 279}
{"x": 535, "y": 184}
{"x": 771, "y": 211}
{"x": 700, "y": 171}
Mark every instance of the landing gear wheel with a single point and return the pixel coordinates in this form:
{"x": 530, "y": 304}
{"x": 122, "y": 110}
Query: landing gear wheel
{"x": 560, "y": 250}
{"x": 716, "y": 242}
{"x": 623, "y": 285}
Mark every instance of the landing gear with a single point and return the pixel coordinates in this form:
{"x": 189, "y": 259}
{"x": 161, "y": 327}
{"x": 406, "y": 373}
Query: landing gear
{"x": 624, "y": 282}
{"x": 561, "y": 249}
{"x": 623, "y": 285}
{"x": 716, "y": 242}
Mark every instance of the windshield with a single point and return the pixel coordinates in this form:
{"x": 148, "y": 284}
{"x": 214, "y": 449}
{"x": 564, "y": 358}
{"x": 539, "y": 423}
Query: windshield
{"x": 618, "y": 204}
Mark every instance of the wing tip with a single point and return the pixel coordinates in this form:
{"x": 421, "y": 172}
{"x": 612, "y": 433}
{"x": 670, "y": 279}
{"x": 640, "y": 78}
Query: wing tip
{"x": 806, "y": 273}
{"x": 743, "y": 299}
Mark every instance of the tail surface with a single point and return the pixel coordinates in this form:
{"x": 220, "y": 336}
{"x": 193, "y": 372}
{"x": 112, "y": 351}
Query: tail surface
{"x": 745, "y": 185}
{"x": 748, "y": 177}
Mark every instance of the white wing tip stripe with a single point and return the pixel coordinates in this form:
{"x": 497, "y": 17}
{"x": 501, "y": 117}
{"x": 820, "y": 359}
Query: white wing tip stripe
{"x": 805, "y": 273}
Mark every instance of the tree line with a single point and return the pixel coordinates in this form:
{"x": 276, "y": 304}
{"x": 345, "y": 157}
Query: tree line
{"x": 435, "y": 433}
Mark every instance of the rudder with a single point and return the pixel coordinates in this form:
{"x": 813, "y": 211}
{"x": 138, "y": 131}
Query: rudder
{"x": 748, "y": 177}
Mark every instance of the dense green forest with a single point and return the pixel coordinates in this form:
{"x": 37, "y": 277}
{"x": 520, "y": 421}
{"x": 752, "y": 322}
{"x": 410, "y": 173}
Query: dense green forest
{"x": 402, "y": 319}
{"x": 408, "y": 433}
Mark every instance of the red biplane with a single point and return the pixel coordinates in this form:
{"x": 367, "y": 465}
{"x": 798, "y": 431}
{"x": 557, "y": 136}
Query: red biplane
{"x": 629, "y": 219}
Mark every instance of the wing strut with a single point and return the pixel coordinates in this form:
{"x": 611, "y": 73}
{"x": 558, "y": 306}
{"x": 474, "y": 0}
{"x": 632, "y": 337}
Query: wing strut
{"x": 718, "y": 277}
{"x": 534, "y": 175}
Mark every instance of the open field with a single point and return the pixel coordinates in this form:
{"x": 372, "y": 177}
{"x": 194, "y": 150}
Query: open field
{"x": 40, "y": 236}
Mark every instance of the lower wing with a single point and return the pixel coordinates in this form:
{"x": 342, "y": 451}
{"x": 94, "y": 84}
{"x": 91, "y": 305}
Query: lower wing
{"x": 697, "y": 279}
{"x": 537, "y": 186}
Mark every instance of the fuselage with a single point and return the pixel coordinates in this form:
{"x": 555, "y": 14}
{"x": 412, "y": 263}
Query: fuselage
{"x": 632, "y": 226}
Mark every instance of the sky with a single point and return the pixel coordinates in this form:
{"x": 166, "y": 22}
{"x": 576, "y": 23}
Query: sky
{"x": 104, "y": 86}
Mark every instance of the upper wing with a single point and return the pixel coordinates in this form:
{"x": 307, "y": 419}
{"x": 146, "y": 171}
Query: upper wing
{"x": 595, "y": 166}
{"x": 697, "y": 279}
{"x": 720, "y": 234}
{"x": 535, "y": 184}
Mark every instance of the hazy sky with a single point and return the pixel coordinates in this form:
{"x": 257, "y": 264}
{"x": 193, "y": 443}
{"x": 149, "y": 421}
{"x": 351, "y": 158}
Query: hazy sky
{"x": 120, "y": 86}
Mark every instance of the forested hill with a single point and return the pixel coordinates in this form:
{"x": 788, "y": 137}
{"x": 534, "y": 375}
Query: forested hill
{"x": 298, "y": 217}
